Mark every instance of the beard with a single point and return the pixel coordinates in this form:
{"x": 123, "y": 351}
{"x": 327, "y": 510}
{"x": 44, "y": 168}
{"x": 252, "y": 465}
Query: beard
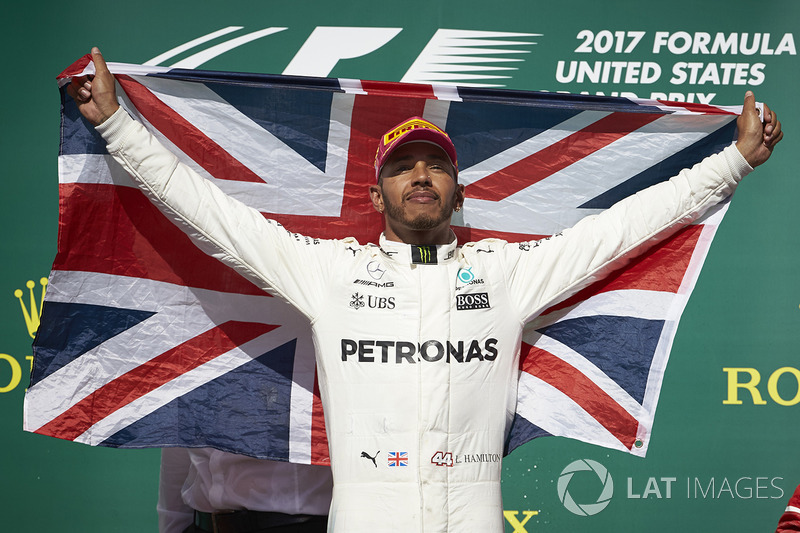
{"x": 420, "y": 222}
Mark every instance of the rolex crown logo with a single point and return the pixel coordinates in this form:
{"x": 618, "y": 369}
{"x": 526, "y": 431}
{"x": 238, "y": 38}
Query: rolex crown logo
{"x": 32, "y": 316}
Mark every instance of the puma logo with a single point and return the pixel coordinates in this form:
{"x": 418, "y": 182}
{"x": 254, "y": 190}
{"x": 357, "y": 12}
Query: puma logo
{"x": 365, "y": 455}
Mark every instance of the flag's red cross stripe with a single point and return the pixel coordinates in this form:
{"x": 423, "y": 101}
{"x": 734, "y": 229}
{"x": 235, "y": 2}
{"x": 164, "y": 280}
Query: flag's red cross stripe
{"x": 557, "y": 156}
{"x": 77, "y": 68}
{"x": 662, "y": 269}
{"x": 581, "y": 390}
{"x": 147, "y": 377}
{"x": 130, "y": 237}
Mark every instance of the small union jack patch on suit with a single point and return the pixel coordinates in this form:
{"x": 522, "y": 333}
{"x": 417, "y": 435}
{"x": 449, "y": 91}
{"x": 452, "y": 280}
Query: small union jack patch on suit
{"x": 398, "y": 458}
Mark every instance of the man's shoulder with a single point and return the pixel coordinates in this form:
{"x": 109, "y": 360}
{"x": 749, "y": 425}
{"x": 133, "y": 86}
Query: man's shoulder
{"x": 351, "y": 245}
{"x": 483, "y": 244}
{"x": 302, "y": 237}
{"x": 489, "y": 247}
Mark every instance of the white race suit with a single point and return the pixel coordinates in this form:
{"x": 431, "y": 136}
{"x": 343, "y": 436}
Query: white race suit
{"x": 417, "y": 347}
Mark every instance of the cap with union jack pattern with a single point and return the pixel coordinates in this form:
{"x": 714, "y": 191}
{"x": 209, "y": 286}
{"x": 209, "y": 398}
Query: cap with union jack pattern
{"x": 413, "y": 129}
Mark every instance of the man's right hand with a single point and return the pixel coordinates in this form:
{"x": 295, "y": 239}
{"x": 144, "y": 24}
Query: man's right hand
{"x": 96, "y": 97}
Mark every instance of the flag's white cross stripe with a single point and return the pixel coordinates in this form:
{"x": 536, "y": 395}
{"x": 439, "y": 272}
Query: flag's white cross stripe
{"x": 302, "y": 400}
{"x": 195, "y": 311}
{"x": 569, "y": 420}
{"x": 649, "y": 305}
{"x": 552, "y": 204}
{"x": 597, "y": 376}
{"x": 186, "y": 383}
{"x": 93, "y": 169}
{"x": 291, "y": 184}
{"x": 528, "y": 147}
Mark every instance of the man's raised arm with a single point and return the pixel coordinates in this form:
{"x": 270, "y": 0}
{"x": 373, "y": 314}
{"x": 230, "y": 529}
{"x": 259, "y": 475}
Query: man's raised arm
{"x": 599, "y": 244}
{"x": 237, "y": 234}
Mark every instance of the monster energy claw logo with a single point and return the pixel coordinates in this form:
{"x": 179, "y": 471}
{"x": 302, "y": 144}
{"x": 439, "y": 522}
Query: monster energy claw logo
{"x": 585, "y": 509}
{"x": 421, "y": 255}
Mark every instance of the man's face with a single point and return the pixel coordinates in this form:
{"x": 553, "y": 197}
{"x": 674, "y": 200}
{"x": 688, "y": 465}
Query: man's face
{"x": 417, "y": 190}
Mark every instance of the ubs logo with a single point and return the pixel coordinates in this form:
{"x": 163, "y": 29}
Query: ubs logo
{"x": 357, "y": 301}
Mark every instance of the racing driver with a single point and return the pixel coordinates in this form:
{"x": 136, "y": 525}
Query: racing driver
{"x": 425, "y": 365}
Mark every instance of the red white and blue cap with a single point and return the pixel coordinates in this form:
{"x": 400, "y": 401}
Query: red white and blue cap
{"x": 413, "y": 129}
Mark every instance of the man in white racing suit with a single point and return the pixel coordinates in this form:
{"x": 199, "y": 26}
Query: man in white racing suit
{"x": 417, "y": 337}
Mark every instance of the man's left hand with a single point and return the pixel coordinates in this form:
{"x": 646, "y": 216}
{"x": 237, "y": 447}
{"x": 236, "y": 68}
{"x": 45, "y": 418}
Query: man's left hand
{"x": 757, "y": 138}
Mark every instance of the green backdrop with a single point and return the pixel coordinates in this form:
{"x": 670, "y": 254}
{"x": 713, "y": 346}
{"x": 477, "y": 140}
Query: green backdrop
{"x": 721, "y": 458}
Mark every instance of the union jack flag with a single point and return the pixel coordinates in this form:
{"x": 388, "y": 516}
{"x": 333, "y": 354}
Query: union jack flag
{"x": 147, "y": 342}
{"x": 398, "y": 459}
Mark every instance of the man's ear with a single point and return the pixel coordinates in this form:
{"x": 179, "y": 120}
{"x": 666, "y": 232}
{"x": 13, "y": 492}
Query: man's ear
{"x": 376, "y": 195}
{"x": 459, "y": 203}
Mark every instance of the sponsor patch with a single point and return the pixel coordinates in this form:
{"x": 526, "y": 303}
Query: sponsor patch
{"x": 376, "y": 270}
{"x": 365, "y": 455}
{"x": 398, "y": 459}
{"x": 400, "y": 352}
{"x": 374, "y": 302}
{"x": 423, "y": 255}
{"x": 465, "y": 275}
{"x": 374, "y": 283}
{"x": 357, "y": 301}
{"x": 476, "y": 300}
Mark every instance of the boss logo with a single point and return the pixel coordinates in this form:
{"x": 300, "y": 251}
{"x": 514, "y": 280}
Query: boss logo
{"x": 478, "y": 300}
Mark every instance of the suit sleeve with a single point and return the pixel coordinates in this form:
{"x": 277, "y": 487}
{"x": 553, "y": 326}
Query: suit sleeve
{"x": 562, "y": 265}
